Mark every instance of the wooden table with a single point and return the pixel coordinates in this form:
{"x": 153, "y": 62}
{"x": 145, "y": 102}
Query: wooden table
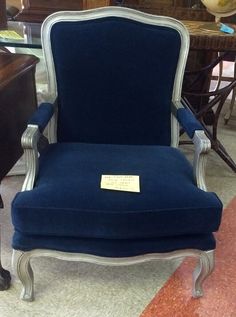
{"x": 17, "y": 102}
{"x": 204, "y": 39}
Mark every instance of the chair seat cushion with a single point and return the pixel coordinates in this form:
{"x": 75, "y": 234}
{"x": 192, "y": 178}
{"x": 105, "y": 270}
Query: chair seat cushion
{"x": 114, "y": 247}
{"x": 67, "y": 200}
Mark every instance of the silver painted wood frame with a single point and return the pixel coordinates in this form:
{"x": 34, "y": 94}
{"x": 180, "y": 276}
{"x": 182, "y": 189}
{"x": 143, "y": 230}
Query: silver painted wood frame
{"x": 21, "y": 260}
{"x": 23, "y": 269}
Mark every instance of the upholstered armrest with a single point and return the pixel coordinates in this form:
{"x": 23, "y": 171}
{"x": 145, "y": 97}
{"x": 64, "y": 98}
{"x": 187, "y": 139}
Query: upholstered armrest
{"x": 202, "y": 144}
{"x": 188, "y": 121}
{"x": 30, "y": 140}
{"x": 42, "y": 116}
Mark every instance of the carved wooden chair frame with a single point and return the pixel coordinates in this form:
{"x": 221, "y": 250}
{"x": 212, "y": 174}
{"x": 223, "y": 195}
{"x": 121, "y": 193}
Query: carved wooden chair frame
{"x": 21, "y": 260}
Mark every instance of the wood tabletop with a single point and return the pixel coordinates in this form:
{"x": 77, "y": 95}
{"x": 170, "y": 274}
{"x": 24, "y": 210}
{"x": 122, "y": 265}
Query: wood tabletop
{"x": 204, "y": 36}
{"x": 14, "y": 65}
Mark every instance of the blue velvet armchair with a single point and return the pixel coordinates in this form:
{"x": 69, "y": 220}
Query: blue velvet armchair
{"x": 114, "y": 108}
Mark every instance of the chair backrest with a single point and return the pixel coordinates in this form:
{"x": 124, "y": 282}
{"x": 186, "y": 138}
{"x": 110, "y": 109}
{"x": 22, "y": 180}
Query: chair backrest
{"x": 114, "y": 72}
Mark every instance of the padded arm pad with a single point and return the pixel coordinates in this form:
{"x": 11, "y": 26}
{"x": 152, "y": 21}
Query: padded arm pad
{"x": 42, "y": 116}
{"x": 188, "y": 121}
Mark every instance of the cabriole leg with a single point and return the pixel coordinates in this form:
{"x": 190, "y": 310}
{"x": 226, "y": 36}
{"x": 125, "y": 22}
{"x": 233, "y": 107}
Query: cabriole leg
{"x": 202, "y": 271}
{"x": 21, "y": 263}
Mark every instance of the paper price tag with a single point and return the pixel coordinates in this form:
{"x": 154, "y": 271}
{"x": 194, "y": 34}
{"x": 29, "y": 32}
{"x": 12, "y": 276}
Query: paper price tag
{"x": 128, "y": 183}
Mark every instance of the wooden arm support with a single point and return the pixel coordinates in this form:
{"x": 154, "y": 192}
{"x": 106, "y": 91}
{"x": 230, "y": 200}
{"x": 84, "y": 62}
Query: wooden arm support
{"x": 202, "y": 146}
{"x": 29, "y": 143}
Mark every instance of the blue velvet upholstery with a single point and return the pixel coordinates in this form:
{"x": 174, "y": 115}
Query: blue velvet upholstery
{"x": 188, "y": 121}
{"x": 114, "y": 92}
{"x": 62, "y": 205}
{"x": 113, "y": 247}
{"x": 42, "y": 116}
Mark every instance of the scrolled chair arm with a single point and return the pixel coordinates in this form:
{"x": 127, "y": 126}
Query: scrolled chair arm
{"x": 30, "y": 140}
{"x": 202, "y": 147}
{"x": 201, "y": 142}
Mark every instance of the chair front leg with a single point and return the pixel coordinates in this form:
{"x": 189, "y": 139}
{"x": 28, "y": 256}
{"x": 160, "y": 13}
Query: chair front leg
{"x": 22, "y": 267}
{"x": 202, "y": 271}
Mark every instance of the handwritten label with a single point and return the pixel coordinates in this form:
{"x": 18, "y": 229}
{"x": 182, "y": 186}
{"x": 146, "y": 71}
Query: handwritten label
{"x": 128, "y": 183}
{"x": 11, "y": 35}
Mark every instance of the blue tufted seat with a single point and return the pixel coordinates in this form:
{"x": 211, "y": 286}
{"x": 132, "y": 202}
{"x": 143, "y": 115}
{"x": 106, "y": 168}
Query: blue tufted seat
{"x": 115, "y": 78}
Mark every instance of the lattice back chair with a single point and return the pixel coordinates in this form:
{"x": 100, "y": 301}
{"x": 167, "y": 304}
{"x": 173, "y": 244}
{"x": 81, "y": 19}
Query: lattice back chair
{"x": 115, "y": 78}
